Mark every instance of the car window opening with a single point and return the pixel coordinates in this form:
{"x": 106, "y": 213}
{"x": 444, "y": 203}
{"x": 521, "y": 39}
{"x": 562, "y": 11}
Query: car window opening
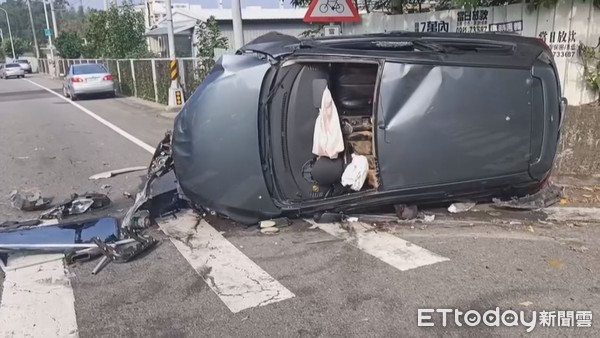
{"x": 352, "y": 89}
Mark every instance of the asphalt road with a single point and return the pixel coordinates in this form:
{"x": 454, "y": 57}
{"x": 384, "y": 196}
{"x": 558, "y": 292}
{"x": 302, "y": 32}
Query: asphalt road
{"x": 340, "y": 288}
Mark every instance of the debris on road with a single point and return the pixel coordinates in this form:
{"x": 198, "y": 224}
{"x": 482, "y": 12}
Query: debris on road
{"x": 461, "y": 207}
{"x": 111, "y": 173}
{"x": 555, "y": 263}
{"x": 60, "y": 238}
{"x": 544, "y": 198}
{"x": 429, "y": 218}
{"x": 526, "y": 303}
{"x": 28, "y": 200}
{"x": 267, "y": 224}
{"x": 579, "y": 249}
{"x": 18, "y": 224}
{"x": 328, "y": 217}
{"x": 77, "y": 205}
{"x": 270, "y": 230}
{"x": 406, "y": 212}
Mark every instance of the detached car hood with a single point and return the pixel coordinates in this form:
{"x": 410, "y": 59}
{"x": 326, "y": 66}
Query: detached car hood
{"x": 216, "y": 149}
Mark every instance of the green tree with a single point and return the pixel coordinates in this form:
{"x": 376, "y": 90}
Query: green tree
{"x": 69, "y": 45}
{"x": 95, "y": 35}
{"x": 590, "y": 58}
{"x": 116, "y": 33}
{"x": 208, "y": 38}
{"x": 20, "y": 47}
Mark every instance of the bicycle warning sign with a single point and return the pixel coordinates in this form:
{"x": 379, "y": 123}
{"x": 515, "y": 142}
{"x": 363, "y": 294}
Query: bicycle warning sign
{"x": 331, "y": 11}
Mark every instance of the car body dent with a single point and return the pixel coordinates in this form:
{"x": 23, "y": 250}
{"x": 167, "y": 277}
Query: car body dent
{"x": 463, "y": 128}
{"x": 216, "y": 150}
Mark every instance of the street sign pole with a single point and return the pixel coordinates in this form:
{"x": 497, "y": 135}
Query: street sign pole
{"x": 35, "y": 43}
{"x": 238, "y": 30}
{"x": 54, "y": 25}
{"x": 175, "y": 92}
{"x": 51, "y": 66}
{"x": 12, "y": 44}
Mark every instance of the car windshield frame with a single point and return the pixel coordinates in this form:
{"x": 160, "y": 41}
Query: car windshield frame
{"x": 77, "y": 69}
{"x": 12, "y": 65}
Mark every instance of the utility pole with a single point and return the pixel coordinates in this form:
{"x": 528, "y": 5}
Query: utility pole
{"x": 37, "y": 48}
{"x": 12, "y": 44}
{"x": 238, "y": 31}
{"x": 53, "y": 19}
{"x": 51, "y": 68}
{"x": 175, "y": 92}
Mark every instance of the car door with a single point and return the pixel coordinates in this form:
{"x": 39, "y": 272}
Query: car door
{"x": 452, "y": 124}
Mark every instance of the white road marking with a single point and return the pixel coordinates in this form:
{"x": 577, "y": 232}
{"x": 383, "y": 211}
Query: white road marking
{"x": 37, "y": 298}
{"x": 393, "y": 250}
{"x": 236, "y": 279}
{"x": 100, "y": 119}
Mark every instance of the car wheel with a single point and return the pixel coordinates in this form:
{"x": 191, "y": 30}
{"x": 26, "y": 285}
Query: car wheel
{"x": 73, "y": 96}
{"x": 65, "y": 93}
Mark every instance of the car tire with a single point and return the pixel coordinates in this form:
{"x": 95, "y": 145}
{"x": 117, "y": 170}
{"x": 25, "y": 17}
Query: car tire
{"x": 65, "y": 93}
{"x": 73, "y": 96}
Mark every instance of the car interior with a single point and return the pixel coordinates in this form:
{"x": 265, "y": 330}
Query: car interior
{"x": 294, "y": 108}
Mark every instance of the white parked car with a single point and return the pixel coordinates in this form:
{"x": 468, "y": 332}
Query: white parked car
{"x": 11, "y": 70}
{"x": 24, "y": 64}
{"x": 87, "y": 79}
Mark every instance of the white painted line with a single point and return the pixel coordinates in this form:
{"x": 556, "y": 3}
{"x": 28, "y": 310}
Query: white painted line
{"x": 99, "y": 119}
{"x": 37, "y": 301}
{"x": 236, "y": 279}
{"x": 395, "y": 251}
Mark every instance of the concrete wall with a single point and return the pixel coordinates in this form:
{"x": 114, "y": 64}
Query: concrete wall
{"x": 563, "y": 27}
{"x": 579, "y": 151}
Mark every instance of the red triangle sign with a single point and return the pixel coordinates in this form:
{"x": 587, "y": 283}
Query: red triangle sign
{"x": 331, "y": 11}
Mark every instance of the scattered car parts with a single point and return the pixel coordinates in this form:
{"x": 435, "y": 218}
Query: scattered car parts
{"x": 30, "y": 200}
{"x": 111, "y": 173}
{"x": 77, "y": 204}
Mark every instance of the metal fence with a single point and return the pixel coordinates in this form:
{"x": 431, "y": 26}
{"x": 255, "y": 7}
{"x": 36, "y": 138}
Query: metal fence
{"x": 144, "y": 78}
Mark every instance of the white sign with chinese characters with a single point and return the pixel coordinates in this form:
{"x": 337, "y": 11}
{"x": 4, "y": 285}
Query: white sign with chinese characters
{"x": 472, "y": 21}
{"x": 562, "y": 43}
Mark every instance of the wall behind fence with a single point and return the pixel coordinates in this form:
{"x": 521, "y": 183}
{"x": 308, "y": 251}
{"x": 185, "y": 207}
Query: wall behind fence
{"x": 562, "y": 27}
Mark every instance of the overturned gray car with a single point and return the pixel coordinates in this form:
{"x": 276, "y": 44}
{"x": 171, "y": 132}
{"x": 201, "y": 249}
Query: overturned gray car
{"x": 419, "y": 118}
